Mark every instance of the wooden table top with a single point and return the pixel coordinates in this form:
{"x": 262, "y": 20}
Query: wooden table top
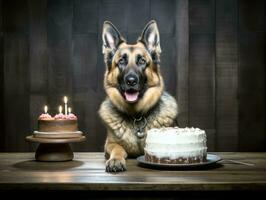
{"x": 87, "y": 172}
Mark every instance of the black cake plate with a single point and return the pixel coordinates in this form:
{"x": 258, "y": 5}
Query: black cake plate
{"x": 211, "y": 160}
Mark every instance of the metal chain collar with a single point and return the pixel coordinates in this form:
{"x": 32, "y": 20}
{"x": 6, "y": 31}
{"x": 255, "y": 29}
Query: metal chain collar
{"x": 139, "y": 126}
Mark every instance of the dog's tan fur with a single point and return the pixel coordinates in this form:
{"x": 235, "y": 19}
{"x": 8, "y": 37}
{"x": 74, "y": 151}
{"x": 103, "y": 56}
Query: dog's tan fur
{"x": 159, "y": 108}
{"x": 121, "y": 131}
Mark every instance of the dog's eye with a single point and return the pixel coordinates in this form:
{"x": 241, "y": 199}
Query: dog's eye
{"x": 141, "y": 61}
{"x": 121, "y": 61}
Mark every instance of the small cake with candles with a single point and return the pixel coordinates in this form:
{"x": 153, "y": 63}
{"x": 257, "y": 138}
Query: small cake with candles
{"x": 66, "y": 122}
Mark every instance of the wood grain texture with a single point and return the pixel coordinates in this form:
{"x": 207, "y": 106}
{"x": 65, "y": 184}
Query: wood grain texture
{"x": 85, "y": 16}
{"x": 38, "y": 60}
{"x": 16, "y": 74}
{"x": 114, "y": 11}
{"x": 251, "y": 76}
{"x": 166, "y": 18}
{"x": 59, "y": 39}
{"x": 136, "y": 23}
{"x": 166, "y": 24}
{"x": 85, "y": 87}
{"x": 168, "y": 64}
{"x": 85, "y": 70}
{"x": 2, "y": 106}
{"x": 213, "y": 60}
{"x": 87, "y": 172}
{"x": 226, "y": 75}
{"x": 202, "y": 68}
{"x": 182, "y": 60}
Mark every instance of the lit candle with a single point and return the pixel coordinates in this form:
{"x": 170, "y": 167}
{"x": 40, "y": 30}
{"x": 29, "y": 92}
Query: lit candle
{"x": 65, "y": 101}
{"x": 60, "y": 109}
{"x": 69, "y": 110}
{"x": 45, "y": 109}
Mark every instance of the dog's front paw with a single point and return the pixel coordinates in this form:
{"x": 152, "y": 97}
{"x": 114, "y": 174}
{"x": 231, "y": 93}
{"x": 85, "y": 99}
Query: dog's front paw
{"x": 116, "y": 165}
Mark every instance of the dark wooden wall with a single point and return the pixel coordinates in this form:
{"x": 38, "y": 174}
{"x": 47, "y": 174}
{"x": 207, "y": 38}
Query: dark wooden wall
{"x": 213, "y": 62}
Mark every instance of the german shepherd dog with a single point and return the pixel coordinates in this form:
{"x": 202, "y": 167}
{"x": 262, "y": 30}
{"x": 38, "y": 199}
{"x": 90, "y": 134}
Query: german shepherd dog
{"x": 136, "y": 100}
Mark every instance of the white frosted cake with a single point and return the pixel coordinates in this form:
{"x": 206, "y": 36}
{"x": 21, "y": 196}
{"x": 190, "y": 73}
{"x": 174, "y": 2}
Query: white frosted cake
{"x": 175, "y": 145}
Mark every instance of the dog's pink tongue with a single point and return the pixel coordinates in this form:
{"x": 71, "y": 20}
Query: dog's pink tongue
{"x": 131, "y": 97}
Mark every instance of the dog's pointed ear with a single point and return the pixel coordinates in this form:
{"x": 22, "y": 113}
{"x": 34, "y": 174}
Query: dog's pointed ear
{"x": 150, "y": 37}
{"x": 111, "y": 37}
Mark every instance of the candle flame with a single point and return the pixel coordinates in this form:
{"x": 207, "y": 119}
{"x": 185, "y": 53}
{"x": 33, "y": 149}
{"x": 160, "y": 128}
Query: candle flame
{"x": 60, "y": 109}
{"x": 65, "y": 99}
{"x": 45, "y": 109}
{"x": 69, "y": 110}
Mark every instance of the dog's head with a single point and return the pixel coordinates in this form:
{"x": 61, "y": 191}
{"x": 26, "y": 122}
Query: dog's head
{"x": 132, "y": 79}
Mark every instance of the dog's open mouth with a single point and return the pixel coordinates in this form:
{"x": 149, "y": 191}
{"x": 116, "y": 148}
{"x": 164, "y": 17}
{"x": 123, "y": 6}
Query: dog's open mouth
{"x": 131, "y": 95}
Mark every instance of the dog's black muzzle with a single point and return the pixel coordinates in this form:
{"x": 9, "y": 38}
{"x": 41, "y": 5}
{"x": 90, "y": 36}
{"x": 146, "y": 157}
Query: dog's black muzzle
{"x": 131, "y": 87}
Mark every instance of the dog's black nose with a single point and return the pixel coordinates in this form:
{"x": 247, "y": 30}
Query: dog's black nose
{"x": 131, "y": 80}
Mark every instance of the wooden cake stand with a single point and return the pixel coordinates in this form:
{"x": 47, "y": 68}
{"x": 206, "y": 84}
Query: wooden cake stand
{"x": 54, "y": 149}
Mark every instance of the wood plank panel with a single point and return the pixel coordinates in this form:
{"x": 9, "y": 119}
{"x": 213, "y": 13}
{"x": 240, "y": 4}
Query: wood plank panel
{"x": 213, "y": 61}
{"x": 166, "y": 25}
{"x": 16, "y": 95}
{"x": 251, "y": 76}
{"x": 85, "y": 86}
{"x": 182, "y": 60}
{"x": 38, "y": 61}
{"x": 86, "y": 107}
{"x": 164, "y": 13}
{"x": 114, "y": 11}
{"x": 15, "y": 14}
{"x": 226, "y": 75}
{"x": 100, "y": 130}
{"x": 16, "y": 74}
{"x": 2, "y": 106}
{"x": 87, "y": 67}
{"x": 85, "y": 63}
{"x": 59, "y": 37}
{"x": 38, "y": 46}
{"x": 168, "y": 64}
{"x": 202, "y": 68}
{"x": 85, "y": 16}
{"x": 136, "y": 23}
